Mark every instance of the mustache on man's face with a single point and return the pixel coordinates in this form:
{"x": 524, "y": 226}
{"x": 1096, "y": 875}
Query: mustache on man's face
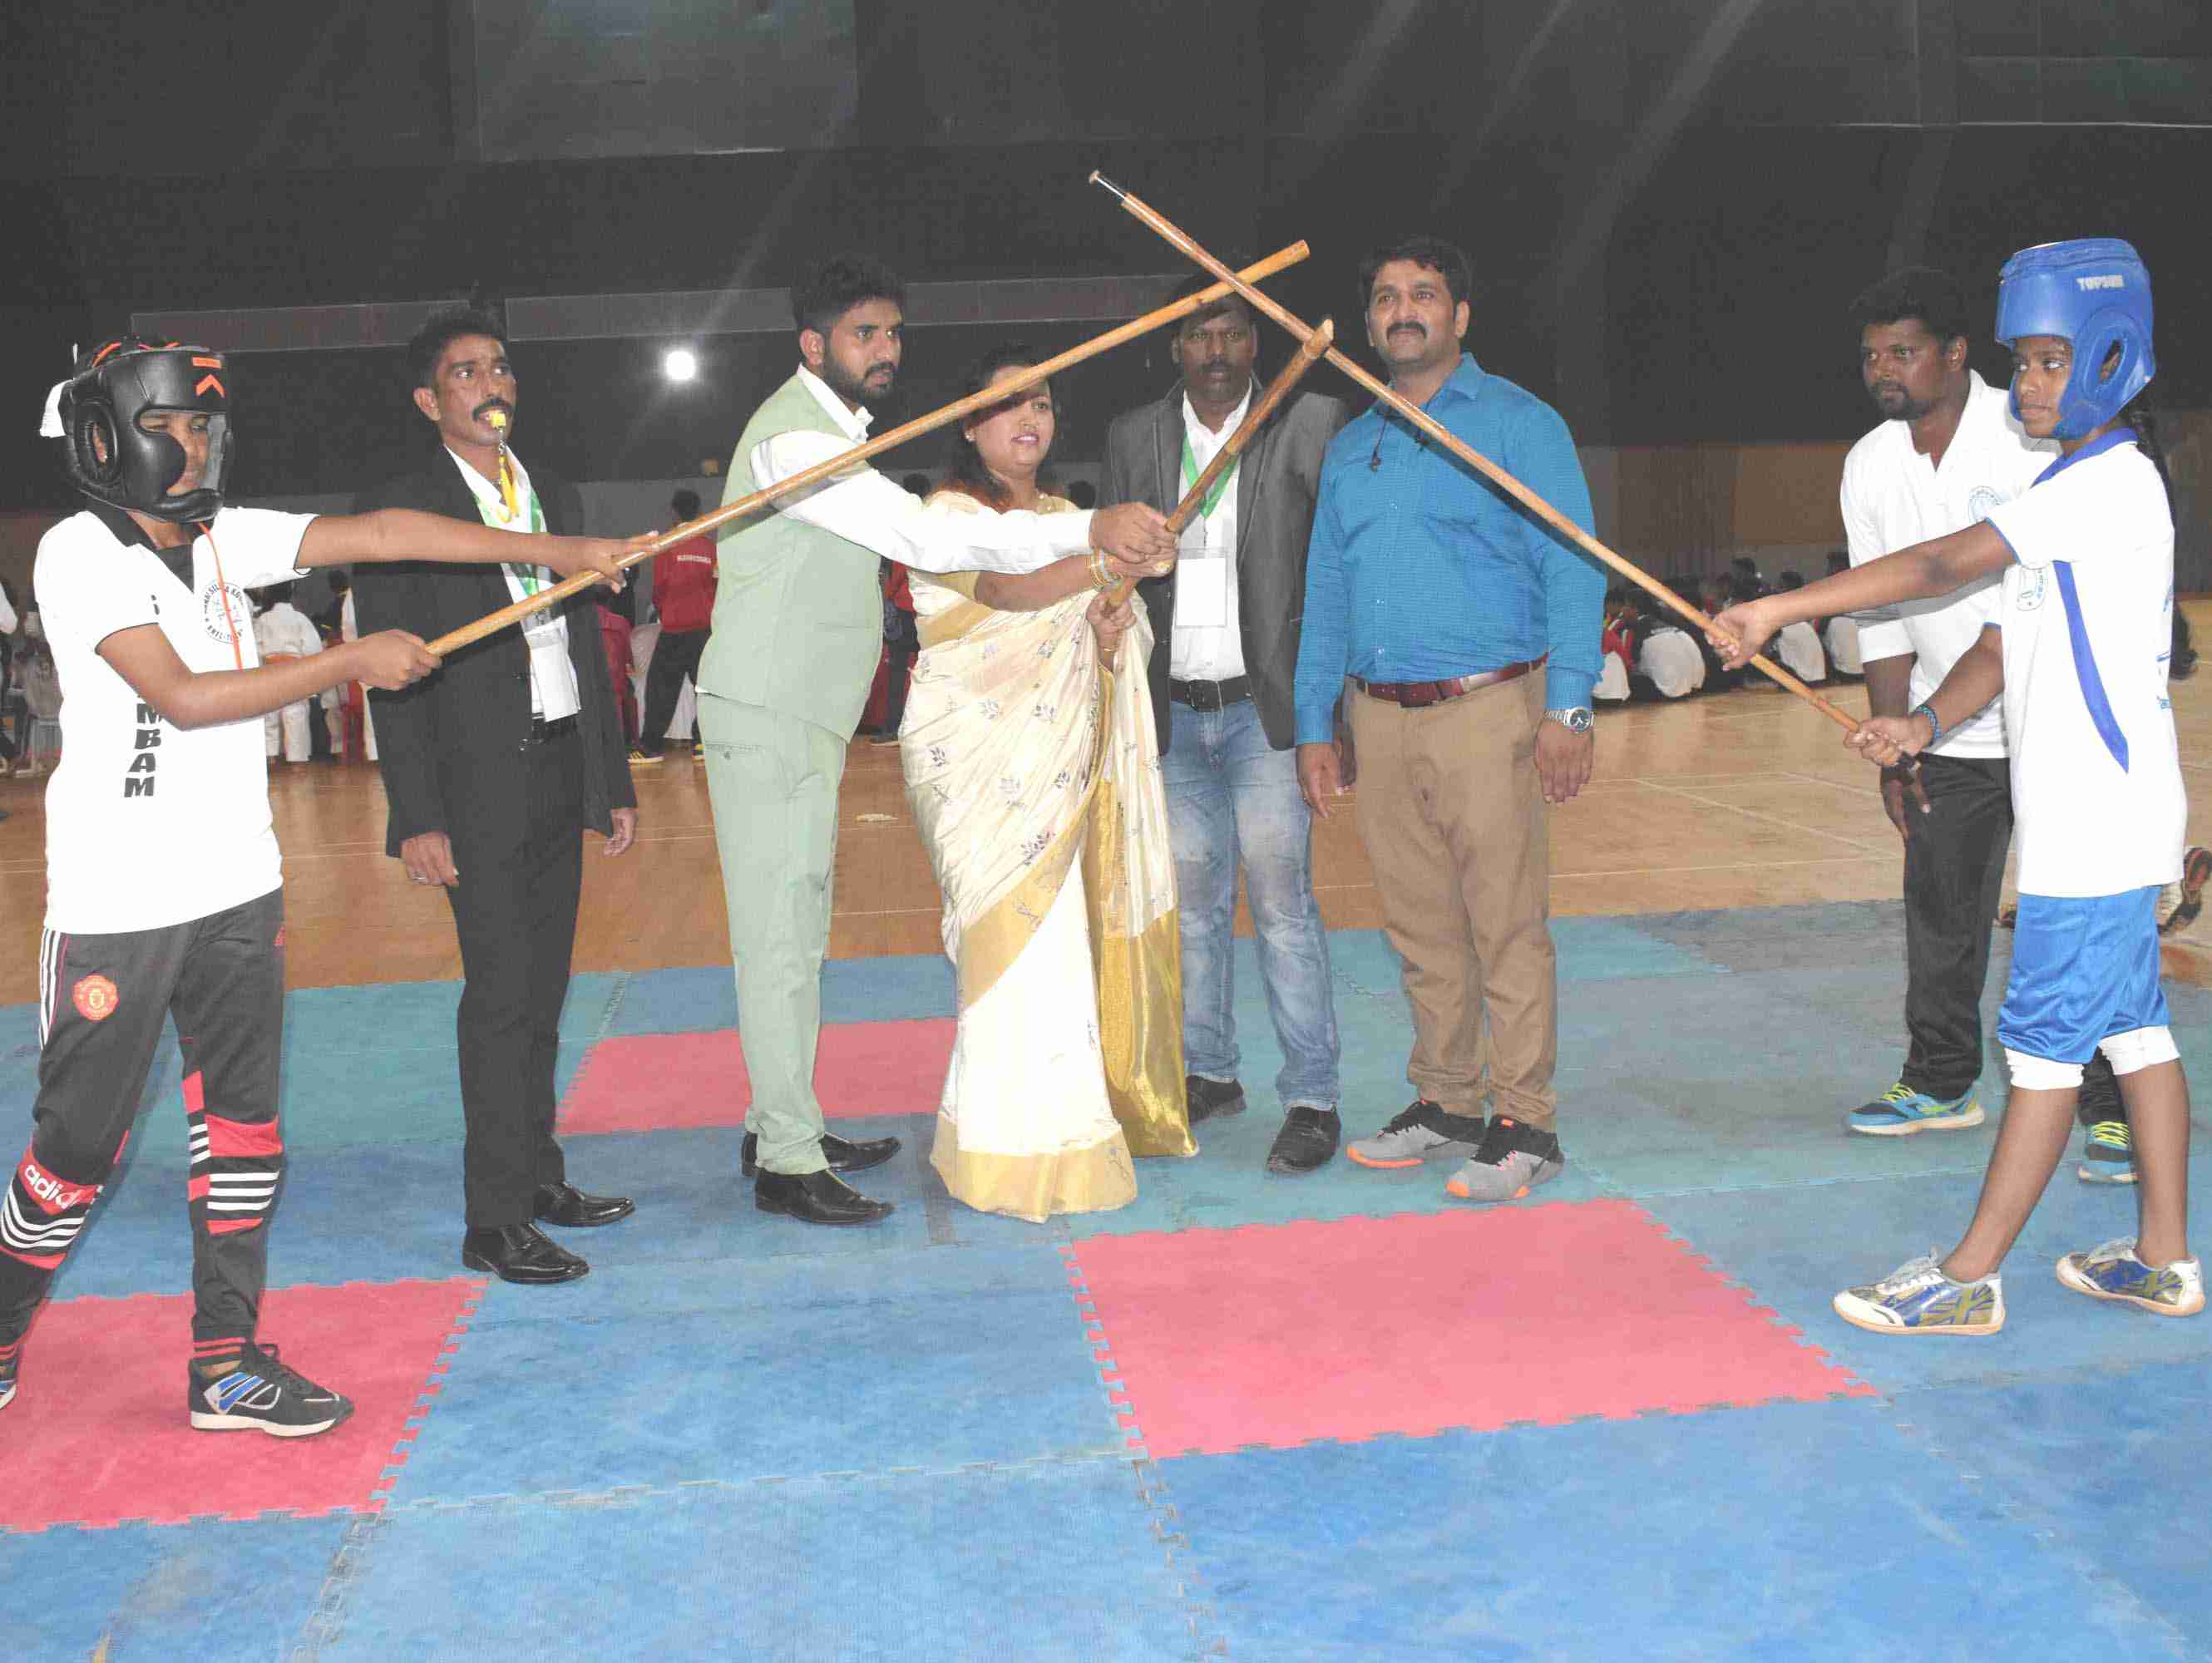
{"x": 490, "y": 404}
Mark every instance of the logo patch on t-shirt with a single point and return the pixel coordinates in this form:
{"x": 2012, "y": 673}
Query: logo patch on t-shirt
{"x": 95, "y": 998}
{"x": 2031, "y": 589}
{"x": 1981, "y": 499}
{"x": 225, "y": 613}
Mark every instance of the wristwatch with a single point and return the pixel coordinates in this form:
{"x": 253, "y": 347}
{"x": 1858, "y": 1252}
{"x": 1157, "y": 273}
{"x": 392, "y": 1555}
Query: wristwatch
{"x": 1576, "y": 720}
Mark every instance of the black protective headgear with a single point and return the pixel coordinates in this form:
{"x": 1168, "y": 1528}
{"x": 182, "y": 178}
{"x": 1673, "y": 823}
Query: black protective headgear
{"x": 111, "y": 389}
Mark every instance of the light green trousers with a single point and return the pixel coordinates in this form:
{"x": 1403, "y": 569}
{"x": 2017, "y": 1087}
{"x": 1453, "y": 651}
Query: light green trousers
{"x": 773, "y": 781}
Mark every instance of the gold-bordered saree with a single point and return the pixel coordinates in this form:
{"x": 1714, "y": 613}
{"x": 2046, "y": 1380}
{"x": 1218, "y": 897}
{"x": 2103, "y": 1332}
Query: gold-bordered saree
{"x": 1034, "y": 774}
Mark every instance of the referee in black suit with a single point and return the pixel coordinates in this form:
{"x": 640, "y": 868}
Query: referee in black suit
{"x": 494, "y": 766}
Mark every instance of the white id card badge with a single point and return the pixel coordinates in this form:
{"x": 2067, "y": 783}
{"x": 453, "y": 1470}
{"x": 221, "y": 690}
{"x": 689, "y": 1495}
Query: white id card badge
{"x": 1201, "y": 590}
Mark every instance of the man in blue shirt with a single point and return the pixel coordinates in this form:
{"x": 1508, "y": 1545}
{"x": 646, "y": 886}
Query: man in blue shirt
{"x": 1469, "y": 632}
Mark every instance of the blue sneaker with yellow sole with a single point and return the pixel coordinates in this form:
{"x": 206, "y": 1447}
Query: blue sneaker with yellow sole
{"x": 2108, "y": 1155}
{"x": 1900, "y": 1111}
{"x": 1917, "y": 1298}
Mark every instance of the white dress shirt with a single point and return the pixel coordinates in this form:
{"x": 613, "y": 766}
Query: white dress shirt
{"x": 866, "y": 509}
{"x": 1894, "y": 497}
{"x": 1207, "y": 645}
{"x": 553, "y": 690}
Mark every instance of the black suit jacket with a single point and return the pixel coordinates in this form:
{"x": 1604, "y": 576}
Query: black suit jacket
{"x": 1278, "y": 481}
{"x": 431, "y": 737}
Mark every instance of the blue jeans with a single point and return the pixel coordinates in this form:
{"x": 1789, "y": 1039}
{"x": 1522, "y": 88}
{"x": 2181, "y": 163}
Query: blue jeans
{"x": 1230, "y": 798}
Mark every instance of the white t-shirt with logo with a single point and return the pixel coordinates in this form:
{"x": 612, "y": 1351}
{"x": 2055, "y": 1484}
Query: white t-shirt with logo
{"x": 2088, "y": 615}
{"x": 149, "y": 824}
{"x": 1894, "y": 497}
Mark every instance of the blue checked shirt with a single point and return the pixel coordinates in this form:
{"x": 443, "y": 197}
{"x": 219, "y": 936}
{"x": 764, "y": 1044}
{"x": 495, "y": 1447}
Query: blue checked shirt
{"x": 1420, "y": 569}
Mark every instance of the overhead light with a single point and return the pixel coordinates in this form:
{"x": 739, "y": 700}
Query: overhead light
{"x": 680, "y": 365}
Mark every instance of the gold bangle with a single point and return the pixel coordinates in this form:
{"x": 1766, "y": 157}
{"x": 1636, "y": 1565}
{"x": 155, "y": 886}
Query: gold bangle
{"x": 1102, "y": 575}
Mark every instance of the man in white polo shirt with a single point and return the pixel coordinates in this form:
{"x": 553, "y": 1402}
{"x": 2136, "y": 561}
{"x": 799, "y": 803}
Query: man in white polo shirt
{"x": 164, "y": 887}
{"x": 1949, "y": 452}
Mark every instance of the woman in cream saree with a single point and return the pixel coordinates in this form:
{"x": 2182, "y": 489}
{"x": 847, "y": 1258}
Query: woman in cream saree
{"x": 1034, "y": 774}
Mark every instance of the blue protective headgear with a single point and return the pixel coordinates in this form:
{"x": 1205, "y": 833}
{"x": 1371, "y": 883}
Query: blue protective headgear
{"x": 2095, "y": 292}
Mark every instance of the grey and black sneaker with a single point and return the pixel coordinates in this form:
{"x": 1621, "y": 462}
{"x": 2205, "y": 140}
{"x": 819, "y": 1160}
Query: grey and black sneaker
{"x": 261, "y": 1394}
{"x": 11, "y": 1359}
{"x": 1426, "y": 1131}
{"x": 1513, "y": 1160}
{"x": 1212, "y": 1099}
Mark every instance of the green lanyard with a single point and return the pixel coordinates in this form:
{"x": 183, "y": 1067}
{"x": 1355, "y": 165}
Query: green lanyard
{"x": 1190, "y": 472}
{"x": 531, "y": 578}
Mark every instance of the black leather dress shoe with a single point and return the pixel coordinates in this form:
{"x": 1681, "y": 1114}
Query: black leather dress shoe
{"x": 842, "y": 1154}
{"x": 521, "y": 1252}
{"x": 816, "y": 1198}
{"x": 1212, "y": 1099}
{"x": 571, "y": 1209}
{"x": 1307, "y": 1138}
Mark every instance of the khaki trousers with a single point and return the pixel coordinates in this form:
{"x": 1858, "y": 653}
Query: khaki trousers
{"x": 1453, "y": 815}
{"x": 773, "y": 781}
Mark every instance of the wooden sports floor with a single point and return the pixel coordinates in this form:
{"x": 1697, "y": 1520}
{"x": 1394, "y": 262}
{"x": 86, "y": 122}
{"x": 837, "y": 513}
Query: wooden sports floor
{"x": 1738, "y": 799}
{"x": 1339, "y": 1418}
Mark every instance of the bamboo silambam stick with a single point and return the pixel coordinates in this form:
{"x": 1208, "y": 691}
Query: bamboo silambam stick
{"x": 1277, "y": 390}
{"x": 1465, "y": 453}
{"x": 491, "y": 622}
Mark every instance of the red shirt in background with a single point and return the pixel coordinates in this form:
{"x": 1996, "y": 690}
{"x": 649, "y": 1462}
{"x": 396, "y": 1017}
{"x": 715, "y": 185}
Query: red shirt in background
{"x": 683, "y": 584}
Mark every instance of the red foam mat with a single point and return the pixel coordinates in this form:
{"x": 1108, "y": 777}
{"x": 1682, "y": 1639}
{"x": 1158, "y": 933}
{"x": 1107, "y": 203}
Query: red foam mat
{"x": 1276, "y": 1335}
{"x": 98, "y": 1434}
{"x": 658, "y": 1082}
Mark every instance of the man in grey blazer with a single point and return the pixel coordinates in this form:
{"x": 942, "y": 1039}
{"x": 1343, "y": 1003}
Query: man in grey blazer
{"x": 1226, "y": 646}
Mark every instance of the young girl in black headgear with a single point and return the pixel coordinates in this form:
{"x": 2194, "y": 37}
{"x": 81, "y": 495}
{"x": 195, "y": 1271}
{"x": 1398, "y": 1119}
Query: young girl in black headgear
{"x": 163, "y": 883}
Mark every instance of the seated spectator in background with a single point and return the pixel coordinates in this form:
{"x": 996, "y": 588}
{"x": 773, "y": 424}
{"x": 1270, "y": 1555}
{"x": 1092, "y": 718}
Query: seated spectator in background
{"x": 1670, "y": 660}
{"x": 1840, "y": 634}
{"x": 1715, "y": 594}
{"x": 1622, "y": 624}
{"x": 1797, "y": 649}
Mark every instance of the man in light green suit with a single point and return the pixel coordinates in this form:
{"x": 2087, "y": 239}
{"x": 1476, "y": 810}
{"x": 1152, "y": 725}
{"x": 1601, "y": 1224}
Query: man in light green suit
{"x": 797, "y": 629}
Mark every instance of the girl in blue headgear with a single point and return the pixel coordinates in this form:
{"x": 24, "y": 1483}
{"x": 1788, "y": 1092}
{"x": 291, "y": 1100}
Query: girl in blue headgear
{"x": 2079, "y": 657}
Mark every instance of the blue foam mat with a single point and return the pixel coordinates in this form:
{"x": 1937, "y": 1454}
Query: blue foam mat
{"x": 1805, "y": 1531}
{"x": 153, "y": 1594}
{"x": 774, "y": 1369}
{"x": 2114, "y": 1467}
{"x": 1049, "y": 1561}
{"x": 1794, "y": 1248}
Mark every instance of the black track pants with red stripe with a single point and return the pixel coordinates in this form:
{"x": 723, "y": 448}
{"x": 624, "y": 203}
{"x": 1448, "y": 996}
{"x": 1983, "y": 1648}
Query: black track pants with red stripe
{"x": 102, "y": 1001}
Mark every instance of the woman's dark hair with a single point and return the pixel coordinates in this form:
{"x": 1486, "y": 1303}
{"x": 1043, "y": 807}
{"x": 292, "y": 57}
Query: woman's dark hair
{"x": 2143, "y": 418}
{"x": 967, "y": 472}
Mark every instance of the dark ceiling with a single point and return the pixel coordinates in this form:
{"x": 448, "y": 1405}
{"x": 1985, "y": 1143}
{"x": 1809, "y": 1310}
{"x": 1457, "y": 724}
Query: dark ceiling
{"x": 1669, "y": 203}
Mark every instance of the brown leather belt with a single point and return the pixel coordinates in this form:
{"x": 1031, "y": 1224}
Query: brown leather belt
{"x": 1419, "y": 695}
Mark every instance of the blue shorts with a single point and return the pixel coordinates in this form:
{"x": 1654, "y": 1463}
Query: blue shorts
{"x": 2084, "y": 968}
